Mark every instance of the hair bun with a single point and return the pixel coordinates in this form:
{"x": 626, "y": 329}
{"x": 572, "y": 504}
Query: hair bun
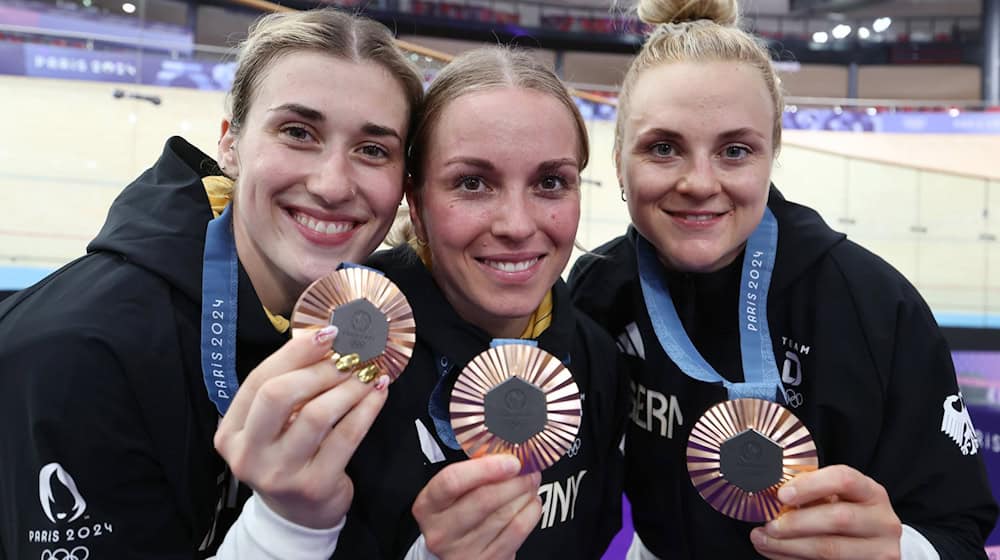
{"x": 723, "y": 12}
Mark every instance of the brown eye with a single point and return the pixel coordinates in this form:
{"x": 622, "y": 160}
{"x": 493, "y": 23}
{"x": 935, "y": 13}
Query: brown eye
{"x": 373, "y": 151}
{"x": 297, "y": 132}
{"x": 471, "y": 183}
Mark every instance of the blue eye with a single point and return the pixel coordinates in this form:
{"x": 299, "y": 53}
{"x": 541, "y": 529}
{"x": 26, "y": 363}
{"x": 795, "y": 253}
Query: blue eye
{"x": 736, "y": 152}
{"x": 662, "y": 149}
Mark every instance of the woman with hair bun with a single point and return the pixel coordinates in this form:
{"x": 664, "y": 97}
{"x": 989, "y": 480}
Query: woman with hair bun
{"x": 723, "y": 289}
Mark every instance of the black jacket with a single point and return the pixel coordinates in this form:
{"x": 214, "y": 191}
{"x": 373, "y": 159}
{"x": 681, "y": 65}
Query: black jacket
{"x": 581, "y": 493}
{"x": 863, "y": 365}
{"x": 103, "y": 407}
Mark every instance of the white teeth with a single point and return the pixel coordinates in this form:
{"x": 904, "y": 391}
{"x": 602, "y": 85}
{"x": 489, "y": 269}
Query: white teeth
{"x": 320, "y": 226}
{"x": 699, "y": 217}
{"x": 507, "y": 266}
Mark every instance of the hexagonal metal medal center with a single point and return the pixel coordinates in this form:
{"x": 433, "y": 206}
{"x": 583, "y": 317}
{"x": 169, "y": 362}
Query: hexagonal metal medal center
{"x": 751, "y": 461}
{"x": 362, "y": 329}
{"x": 515, "y": 410}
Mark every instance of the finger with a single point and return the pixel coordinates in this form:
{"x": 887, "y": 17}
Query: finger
{"x": 281, "y": 396}
{"x": 840, "y": 518}
{"x": 295, "y": 354}
{"x": 831, "y": 546}
{"x": 329, "y": 428}
{"x": 456, "y": 480}
{"x": 484, "y": 512}
{"x": 514, "y": 534}
{"x": 836, "y": 480}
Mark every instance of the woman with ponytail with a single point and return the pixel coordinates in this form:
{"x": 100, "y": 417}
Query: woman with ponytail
{"x": 763, "y": 299}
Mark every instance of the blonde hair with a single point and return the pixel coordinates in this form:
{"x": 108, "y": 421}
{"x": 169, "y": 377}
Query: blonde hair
{"x": 697, "y": 31}
{"x": 327, "y": 31}
{"x": 477, "y": 70}
{"x": 480, "y": 70}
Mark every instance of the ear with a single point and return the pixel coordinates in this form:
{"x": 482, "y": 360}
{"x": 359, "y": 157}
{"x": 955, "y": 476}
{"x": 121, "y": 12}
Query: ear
{"x": 227, "y": 159}
{"x": 617, "y": 156}
{"x": 413, "y": 202}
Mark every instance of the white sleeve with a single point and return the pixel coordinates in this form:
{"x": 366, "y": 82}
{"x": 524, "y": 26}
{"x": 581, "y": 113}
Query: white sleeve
{"x": 419, "y": 551}
{"x": 914, "y": 546}
{"x": 261, "y": 534}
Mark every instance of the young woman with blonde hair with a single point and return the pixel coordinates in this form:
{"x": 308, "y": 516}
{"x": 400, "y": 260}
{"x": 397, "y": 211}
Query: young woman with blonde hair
{"x": 115, "y": 370}
{"x": 720, "y": 279}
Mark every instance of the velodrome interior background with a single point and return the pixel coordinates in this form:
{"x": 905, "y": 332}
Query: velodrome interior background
{"x": 892, "y": 124}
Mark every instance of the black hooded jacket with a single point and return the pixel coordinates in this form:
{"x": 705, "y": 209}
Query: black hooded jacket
{"x": 581, "y": 493}
{"x": 863, "y": 365}
{"x": 106, "y": 438}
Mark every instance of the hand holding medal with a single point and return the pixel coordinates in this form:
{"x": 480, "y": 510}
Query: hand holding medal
{"x": 297, "y": 418}
{"x": 741, "y": 451}
{"x": 375, "y": 327}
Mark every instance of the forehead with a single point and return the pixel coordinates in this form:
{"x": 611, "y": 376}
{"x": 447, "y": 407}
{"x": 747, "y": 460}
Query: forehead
{"x": 332, "y": 84}
{"x": 507, "y": 120}
{"x": 714, "y": 94}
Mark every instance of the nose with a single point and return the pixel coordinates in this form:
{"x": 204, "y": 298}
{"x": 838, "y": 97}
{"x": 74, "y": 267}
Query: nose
{"x": 699, "y": 179}
{"x": 513, "y": 216}
{"x": 333, "y": 181}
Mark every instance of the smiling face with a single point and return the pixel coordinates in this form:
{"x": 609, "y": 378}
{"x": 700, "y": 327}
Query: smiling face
{"x": 318, "y": 165}
{"x": 499, "y": 203}
{"x": 695, "y": 160}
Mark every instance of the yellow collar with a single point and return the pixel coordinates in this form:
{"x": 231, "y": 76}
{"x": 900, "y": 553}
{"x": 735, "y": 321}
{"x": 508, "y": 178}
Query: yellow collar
{"x": 220, "y": 193}
{"x": 540, "y": 318}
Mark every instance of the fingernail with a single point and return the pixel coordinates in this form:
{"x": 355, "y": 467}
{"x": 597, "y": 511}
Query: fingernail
{"x": 536, "y": 478}
{"x": 758, "y": 537}
{"x": 382, "y": 383}
{"x": 773, "y": 526}
{"x": 347, "y": 362}
{"x": 787, "y": 493}
{"x": 368, "y": 373}
{"x": 511, "y": 464}
{"x": 325, "y": 335}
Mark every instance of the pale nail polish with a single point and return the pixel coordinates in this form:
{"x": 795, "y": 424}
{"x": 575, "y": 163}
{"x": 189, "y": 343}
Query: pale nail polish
{"x": 325, "y": 335}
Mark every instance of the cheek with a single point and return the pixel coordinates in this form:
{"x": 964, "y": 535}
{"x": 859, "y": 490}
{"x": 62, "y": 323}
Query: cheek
{"x": 563, "y": 223}
{"x": 449, "y": 226}
{"x": 384, "y": 193}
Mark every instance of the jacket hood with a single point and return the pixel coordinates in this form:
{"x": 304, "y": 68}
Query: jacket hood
{"x": 158, "y": 221}
{"x": 803, "y": 239}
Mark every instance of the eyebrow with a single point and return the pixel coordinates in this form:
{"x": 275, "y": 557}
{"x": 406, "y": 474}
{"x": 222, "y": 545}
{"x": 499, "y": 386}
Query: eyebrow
{"x": 554, "y": 164}
{"x": 307, "y": 113}
{"x": 726, "y": 135}
{"x": 315, "y": 116}
{"x": 472, "y": 162}
{"x": 485, "y": 165}
{"x": 373, "y": 129}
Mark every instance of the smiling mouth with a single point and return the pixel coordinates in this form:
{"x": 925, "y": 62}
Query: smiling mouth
{"x": 510, "y": 266}
{"x": 324, "y": 227}
{"x": 699, "y": 217}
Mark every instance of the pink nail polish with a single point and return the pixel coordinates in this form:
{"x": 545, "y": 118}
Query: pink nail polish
{"x": 382, "y": 382}
{"x": 325, "y": 335}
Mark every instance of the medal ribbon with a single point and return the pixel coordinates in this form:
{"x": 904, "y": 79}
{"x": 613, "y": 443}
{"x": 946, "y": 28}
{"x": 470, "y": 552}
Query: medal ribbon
{"x": 220, "y": 284}
{"x": 760, "y": 370}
